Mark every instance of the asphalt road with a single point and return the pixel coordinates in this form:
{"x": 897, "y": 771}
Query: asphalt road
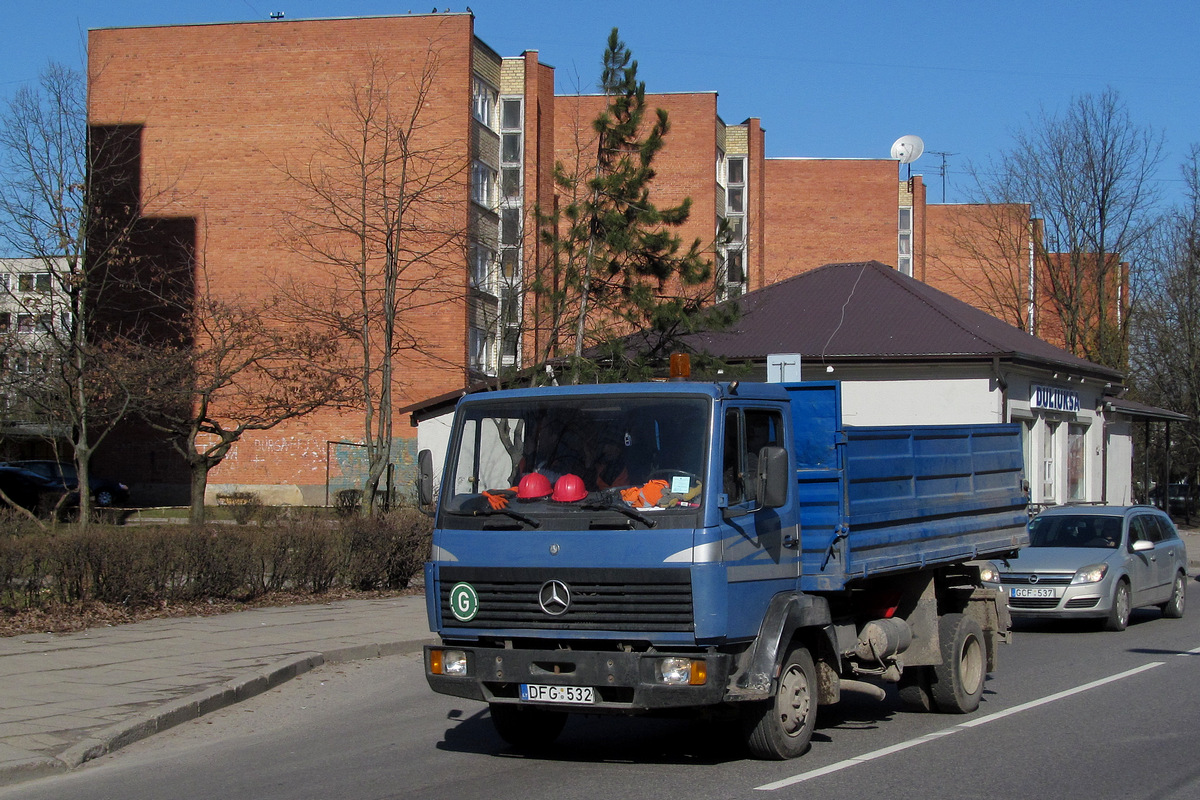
{"x": 1072, "y": 712}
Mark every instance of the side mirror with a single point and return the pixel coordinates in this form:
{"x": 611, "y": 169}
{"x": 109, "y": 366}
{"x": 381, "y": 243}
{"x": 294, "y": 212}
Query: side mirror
{"x": 1141, "y": 546}
{"x": 772, "y": 476}
{"x": 425, "y": 477}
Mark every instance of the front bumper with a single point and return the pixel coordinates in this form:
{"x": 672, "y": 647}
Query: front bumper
{"x": 624, "y": 682}
{"x": 1083, "y": 600}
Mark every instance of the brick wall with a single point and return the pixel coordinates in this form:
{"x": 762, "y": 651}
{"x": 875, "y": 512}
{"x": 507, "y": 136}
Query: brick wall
{"x": 227, "y": 110}
{"x": 821, "y": 211}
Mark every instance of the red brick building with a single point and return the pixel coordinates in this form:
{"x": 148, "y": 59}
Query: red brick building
{"x": 224, "y": 114}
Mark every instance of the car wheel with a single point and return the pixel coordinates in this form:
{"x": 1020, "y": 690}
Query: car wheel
{"x": 104, "y": 498}
{"x": 958, "y": 681}
{"x": 914, "y": 688}
{"x": 1173, "y": 608}
{"x": 782, "y": 727}
{"x": 527, "y": 728}
{"x": 1118, "y": 615}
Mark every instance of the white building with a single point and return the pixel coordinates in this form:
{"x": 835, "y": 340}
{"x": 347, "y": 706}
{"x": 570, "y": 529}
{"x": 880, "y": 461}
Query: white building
{"x": 908, "y": 354}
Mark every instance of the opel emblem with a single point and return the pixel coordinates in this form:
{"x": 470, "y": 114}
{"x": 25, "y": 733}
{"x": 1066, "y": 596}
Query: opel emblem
{"x": 1033, "y": 578}
{"x": 555, "y": 598}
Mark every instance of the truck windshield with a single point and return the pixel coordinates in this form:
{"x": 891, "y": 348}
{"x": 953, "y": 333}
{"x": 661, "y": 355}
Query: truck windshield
{"x": 541, "y": 456}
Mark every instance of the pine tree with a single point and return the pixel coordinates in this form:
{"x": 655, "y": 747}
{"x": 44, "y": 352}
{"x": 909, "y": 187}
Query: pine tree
{"x": 621, "y": 288}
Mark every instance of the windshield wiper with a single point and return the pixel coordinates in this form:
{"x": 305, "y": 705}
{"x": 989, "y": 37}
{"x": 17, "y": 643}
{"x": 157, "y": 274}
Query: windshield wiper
{"x": 508, "y": 512}
{"x": 610, "y": 504}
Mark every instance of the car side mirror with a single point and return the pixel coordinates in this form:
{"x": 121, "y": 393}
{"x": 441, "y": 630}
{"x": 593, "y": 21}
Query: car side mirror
{"x": 772, "y": 476}
{"x": 425, "y": 477}
{"x": 1141, "y": 546}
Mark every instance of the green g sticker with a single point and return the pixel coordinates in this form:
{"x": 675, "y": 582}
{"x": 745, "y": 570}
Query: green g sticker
{"x": 464, "y": 603}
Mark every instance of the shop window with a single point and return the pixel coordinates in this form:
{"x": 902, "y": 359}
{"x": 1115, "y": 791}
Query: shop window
{"x": 1048, "y": 463}
{"x": 1076, "y": 462}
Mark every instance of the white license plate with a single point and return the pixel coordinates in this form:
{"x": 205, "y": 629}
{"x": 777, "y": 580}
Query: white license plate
{"x": 1035, "y": 591}
{"x": 535, "y": 693}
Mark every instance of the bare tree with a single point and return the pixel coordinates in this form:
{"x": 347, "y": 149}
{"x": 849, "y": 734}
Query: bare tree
{"x": 983, "y": 253}
{"x": 1087, "y": 175}
{"x": 382, "y": 220}
{"x": 1165, "y": 358}
{"x": 68, "y": 201}
{"x": 240, "y": 368}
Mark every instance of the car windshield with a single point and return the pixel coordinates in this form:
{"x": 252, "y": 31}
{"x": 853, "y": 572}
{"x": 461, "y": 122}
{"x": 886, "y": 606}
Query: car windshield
{"x": 1084, "y": 530}
{"x": 528, "y": 458}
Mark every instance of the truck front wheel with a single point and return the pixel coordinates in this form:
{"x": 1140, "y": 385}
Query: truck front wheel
{"x": 782, "y": 727}
{"x": 526, "y": 728}
{"x": 958, "y": 680}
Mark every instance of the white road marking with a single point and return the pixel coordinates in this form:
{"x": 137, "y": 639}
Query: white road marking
{"x": 972, "y": 723}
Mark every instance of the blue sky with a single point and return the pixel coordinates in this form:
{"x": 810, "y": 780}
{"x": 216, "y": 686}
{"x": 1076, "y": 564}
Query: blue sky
{"x": 835, "y": 79}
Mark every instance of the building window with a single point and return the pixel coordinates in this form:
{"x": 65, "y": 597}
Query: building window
{"x": 34, "y": 282}
{"x": 25, "y": 323}
{"x": 483, "y": 179}
{"x": 482, "y": 257}
{"x": 904, "y": 238}
{"x": 484, "y": 105}
{"x": 510, "y": 147}
{"x": 731, "y": 269}
{"x": 5, "y": 320}
{"x": 510, "y": 183}
{"x": 480, "y": 349}
{"x": 510, "y": 226}
{"x": 510, "y": 113}
{"x": 736, "y": 171}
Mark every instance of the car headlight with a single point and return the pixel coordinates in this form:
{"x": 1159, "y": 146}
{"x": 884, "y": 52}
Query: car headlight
{"x": 1092, "y": 573}
{"x": 989, "y": 572}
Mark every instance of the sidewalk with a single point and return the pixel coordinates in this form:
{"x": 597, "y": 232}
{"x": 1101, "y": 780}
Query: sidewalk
{"x": 69, "y": 698}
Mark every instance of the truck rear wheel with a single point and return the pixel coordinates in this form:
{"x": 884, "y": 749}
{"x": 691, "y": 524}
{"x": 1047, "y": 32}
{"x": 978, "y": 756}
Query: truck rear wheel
{"x": 526, "y": 728}
{"x": 782, "y": 727}
{"x": 958, "y": 680}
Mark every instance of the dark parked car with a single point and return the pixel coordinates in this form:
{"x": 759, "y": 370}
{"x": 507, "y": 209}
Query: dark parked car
{"x": 105, "y": 492}
{"x": 1097, "y": 561}
{"x": 30, "y": 490}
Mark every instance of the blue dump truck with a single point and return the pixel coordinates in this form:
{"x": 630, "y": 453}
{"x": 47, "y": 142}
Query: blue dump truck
{"x": 725, "y": 549}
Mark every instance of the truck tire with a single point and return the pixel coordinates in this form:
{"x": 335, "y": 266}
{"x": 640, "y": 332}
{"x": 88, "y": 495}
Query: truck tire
{"x": 1173, "y": 608}
{"x": 958, "y": 681}
{"x": 526, "y": 728}
{"x": 914, "y": 689}
{"x": 1122, "y": 606}
{"x": 782, "y": 727}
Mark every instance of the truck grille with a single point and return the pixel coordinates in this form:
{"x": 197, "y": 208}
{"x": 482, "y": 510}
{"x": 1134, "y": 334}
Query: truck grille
{"x": 601, "y": 599}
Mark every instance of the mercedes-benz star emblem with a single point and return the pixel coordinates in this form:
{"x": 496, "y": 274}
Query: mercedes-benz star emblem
{"x": 555, "y": 598}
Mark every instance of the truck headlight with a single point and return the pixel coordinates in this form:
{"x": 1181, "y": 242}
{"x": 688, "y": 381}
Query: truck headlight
{"x": 448, "y": 662}
{"x": 1092, "y": 573}
{"x": 677, "y": 671}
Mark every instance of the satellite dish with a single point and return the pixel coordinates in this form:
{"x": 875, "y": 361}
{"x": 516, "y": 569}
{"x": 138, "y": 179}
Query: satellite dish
{"x": 908, "y": 149}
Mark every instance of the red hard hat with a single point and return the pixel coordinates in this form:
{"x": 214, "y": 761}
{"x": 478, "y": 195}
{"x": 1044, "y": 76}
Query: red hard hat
{"x": 533, "y": 486}
{"x": 568, "y": 489}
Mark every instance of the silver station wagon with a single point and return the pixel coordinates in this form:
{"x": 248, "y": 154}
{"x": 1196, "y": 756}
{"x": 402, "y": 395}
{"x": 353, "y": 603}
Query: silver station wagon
{"x": 1097, "y": 561}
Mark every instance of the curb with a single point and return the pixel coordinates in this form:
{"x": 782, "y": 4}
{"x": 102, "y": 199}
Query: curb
{"x": 194, "y": 706}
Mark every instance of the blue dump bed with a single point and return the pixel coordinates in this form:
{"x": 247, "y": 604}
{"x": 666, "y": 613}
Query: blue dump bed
{"x": 882, "y": 499}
